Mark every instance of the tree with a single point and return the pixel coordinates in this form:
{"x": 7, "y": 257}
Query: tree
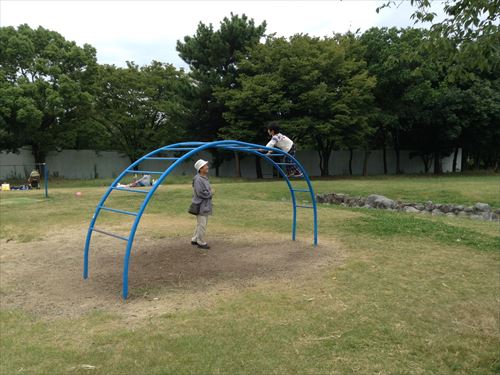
{"x": 212, "y": 56}
{"x": 330, "y": 91}
{"x": 256, "y": 99}
{"x": 480, "y": 133}
{"x": 318, "y": 88}
{"x": 393, "y": 56}
{"x": 473, "y": 26}
{"x": 140, "y": 108}
{"x": 45, "y": 90}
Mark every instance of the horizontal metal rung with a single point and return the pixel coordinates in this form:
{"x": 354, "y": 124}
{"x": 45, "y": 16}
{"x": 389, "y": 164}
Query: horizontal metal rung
{"x": 131, "y": 190}
{"x": 305, "y": 206}
{"x": 118, "y": 211}
{"x": 159, "y": 158}
{"x": 179, "y": 149}
{"x": 143, "y": 172}
{"x": 303, "y": 190}
{"x": 110, "y": 234}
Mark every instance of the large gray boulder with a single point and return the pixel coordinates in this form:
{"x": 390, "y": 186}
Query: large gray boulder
{"x": 482, "y": 207}
{"x": 379, "y": 201}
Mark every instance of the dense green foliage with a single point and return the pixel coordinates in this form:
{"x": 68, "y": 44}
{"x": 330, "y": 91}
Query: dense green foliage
{"x": 388, "y": 89}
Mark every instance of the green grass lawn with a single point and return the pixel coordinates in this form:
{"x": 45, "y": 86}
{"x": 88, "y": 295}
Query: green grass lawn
{"x": 412, "y": 295}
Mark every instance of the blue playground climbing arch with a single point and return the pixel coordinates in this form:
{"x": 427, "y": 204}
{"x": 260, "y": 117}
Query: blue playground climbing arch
{"x": 172, "y": 158}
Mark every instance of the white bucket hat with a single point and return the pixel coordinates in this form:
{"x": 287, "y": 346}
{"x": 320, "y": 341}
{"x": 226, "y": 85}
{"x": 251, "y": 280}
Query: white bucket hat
{"x": 200, "y": 163}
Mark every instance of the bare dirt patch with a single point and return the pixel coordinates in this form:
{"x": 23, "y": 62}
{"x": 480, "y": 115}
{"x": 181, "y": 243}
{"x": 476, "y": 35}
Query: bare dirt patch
{"x": 166, "y": 275}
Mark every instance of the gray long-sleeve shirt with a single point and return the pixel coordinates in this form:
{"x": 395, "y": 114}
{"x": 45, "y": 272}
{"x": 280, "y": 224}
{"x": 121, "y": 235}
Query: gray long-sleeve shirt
{"x": 202, "y": 194}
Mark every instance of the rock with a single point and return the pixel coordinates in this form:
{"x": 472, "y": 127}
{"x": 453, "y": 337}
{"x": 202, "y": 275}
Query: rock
{"x": 482, "y": 207}
{"x": 410, "y": 209}
{"x": 477, "y": 217}
{"x": 429, "y": 206}
{"x": 436, "y": 212}
{"x": 339, "y": 198}
{"x": 379, "y": 201}
{"x": 486, "y": 215}
{"x": 349, "y": 201}
{"x": 358, "y": 202}
{"x": 446, "y": 208}
{"x": 480, "y": 211}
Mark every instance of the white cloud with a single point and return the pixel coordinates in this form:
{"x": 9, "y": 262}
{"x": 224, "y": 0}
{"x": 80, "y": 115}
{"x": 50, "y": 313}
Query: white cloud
{"x": 148, "y": 30}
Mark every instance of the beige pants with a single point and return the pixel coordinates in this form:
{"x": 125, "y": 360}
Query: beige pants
{"x": 201, "y": 228}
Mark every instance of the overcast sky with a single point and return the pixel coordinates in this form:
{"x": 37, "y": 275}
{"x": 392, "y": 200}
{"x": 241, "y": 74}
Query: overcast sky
{"x": 143, "y": 31}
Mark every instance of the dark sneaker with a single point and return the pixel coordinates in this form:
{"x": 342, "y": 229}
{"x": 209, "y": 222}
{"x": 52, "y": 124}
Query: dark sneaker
{"x": 298, "y": 175}
{"x": 206, "y": 247}
{"x": 194, "y": 243}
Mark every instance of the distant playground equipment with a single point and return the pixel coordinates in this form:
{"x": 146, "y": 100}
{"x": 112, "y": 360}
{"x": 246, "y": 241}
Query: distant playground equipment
{"x": 170, "y": 155}
{"x": 24, "y": 177}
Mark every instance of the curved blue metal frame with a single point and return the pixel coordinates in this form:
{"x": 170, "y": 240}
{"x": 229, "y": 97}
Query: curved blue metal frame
{"x": 192, "y": 148}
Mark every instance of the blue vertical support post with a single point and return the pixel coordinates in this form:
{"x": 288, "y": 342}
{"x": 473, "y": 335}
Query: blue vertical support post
{"x": 313, "y": 200}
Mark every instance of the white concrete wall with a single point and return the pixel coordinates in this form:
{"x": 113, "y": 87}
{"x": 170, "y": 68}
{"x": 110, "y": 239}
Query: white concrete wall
{"x": 16, "y": 165}
{"x": 89, "y": 164}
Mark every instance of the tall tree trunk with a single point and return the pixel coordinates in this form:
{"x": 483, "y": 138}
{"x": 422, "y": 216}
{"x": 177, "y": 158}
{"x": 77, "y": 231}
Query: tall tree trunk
{"x": 216, "y": 161}
{"x": 325, "y": 170}
{"x": 384, "y": 157}
{"x": 397, "y": 150}
{"x": 351, "y": 152}
{"x": 455, "y": 156}
{"x": 38, "y": 154}
{"x": 465, "y": 156}
{"x": 237, "y": 164}
{"x": 258, "y": 167}
{"x": 324, "y": 162}
{"x": 365, "y": 162}
{"x": 324, "y": 148}
{"x": 398, "y": 160}
{"x": 427, "y": 160}
{"x": 475, "y": 161}
{"x": 438, "y": 168}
